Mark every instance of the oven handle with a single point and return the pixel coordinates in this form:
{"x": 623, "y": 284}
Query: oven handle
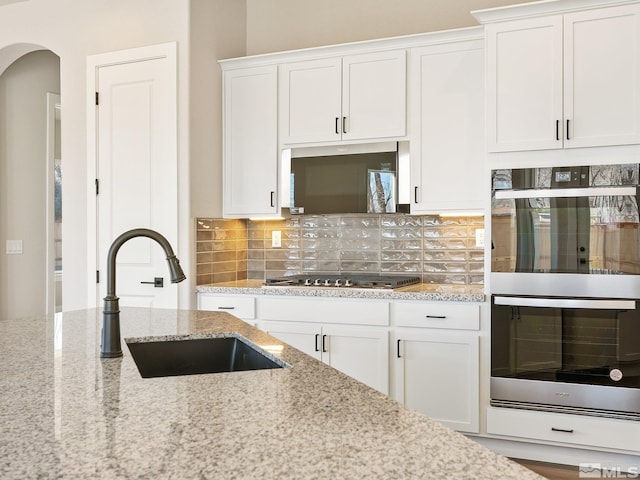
{"x": 568, "y": 192}
{"x": 566, "y": 303}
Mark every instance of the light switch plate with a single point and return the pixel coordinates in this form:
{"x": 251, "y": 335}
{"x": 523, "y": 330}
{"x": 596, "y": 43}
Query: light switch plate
{"x": 479, "y": 237}
{"x": 276, "y": 239}
{"x": 14, "y": 247}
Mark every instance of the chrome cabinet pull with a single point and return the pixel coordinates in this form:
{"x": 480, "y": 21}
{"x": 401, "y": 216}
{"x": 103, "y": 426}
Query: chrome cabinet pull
{"x": 565, "y": 303}
{"x": 622, "y": 190}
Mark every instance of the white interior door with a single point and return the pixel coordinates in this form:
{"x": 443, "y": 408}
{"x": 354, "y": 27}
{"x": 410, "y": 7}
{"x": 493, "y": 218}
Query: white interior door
{"x": 137, "y": 175}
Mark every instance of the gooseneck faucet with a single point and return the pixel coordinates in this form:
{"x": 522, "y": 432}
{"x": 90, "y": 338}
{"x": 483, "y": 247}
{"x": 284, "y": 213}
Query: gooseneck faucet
{"x": 110, "y": 346}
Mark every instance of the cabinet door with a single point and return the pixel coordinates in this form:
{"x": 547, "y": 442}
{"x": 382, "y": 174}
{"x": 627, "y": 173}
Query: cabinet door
{"x": 360, "y": 352}
{"x": 250, "y": 142}
{"x": 242, "y": 306}
{"x": 602, "y": 77}
{"x": 447, "y": 113}
{"x": 437, "y": 373}
{"x": 310, "y": 101}
{"x": 374, "y": 95}
{"x": 304, "y": 337}
{"x": 524, "y": 85}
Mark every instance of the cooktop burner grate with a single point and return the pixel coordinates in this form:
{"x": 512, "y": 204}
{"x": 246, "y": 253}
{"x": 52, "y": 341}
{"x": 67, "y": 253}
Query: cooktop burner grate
{"x": 343, "y": 281}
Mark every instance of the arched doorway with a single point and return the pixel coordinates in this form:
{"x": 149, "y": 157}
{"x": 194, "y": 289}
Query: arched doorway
{"x": 29, "y": 75}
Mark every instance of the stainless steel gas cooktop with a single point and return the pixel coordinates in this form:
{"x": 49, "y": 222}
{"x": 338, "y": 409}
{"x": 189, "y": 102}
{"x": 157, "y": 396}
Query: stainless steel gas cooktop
{"x": 343, "y": 281}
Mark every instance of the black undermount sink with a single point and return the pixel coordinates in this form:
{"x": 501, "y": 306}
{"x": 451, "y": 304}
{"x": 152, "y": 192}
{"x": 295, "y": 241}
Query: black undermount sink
{"x": 191, "y": 356}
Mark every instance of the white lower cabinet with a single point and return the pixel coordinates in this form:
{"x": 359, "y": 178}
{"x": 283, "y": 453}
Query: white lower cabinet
{"x": 436, "y": 372}
{"x": 361, "y": 352}
{"x": 436, "y": 360}
{"x": 575, "y": 430}
{"x": 351, "y": 335}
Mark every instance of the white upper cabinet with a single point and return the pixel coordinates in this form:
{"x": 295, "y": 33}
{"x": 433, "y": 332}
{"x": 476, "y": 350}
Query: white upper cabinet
{"x": 447, "y": 118}
{"x": 353, "y": 97}
{"x": 602, "y": 77}
{"x": 524, "y": 75}
{"x": 250, "y": 132}
{"x": 563, "y": 81}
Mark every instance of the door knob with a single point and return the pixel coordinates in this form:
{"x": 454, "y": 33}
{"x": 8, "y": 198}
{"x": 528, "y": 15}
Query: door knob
{"x": 158, "y": 282}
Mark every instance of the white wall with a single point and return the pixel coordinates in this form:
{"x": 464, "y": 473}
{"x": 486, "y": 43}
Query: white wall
{"x": 276, "y": 25}
{"x": 23, "y": 161}
{"x": 74, "y": 29}
{"x": 205, "y": 30}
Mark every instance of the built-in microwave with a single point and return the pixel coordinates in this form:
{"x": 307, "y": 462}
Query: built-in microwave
{"x": 360, "y": 178}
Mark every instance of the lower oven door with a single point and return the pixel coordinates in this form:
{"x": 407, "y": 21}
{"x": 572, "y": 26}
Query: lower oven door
{"x": 565, "y": 353}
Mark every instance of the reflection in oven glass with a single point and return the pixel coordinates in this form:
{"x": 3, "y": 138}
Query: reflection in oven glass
{"x": 586, "y": 233}
{"x": 566, "y": 345}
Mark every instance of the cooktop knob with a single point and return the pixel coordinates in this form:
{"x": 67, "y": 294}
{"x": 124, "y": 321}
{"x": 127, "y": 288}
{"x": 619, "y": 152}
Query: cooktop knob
{"x": 348, "y": 283}
{"x": 338, "y": 282}
{"x": 327, "y": 283}
{"x": 317, "y": 282}
{"x": 307, "y": 282}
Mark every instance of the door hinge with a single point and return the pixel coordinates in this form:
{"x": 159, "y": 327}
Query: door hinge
{"x": 97, "y": 98}
{"x": 97, "y": 276}
{"x": 97, "y": 186}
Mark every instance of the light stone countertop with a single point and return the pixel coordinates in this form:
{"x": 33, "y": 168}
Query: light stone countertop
{"x": 67, "y": 414}
{"x": 422, "y": 291}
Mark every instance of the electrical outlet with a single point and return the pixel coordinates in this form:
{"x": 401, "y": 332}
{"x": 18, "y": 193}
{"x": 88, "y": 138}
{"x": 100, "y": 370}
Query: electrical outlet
{"x": 479, "y": 237}
{"x": 276, "y": 239}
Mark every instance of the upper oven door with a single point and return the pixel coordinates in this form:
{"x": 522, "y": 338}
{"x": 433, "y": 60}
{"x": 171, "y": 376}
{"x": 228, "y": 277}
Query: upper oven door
{"x": 541, "y": 225}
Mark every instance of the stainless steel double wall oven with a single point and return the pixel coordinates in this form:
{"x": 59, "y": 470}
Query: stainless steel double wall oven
{"x": 565, "y": 284}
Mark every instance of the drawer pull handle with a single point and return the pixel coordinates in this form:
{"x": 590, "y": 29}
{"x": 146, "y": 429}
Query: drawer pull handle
{"x": 226, "y": 308}
{"x": 316, "y": 343}
{"x": 437, "y": 316}
{"x": 563, "y": 430}
{"x": 324, "y": 343}
{"x": 398, "y": 348}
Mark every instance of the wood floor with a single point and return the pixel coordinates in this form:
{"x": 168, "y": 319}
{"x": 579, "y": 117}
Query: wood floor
{"x": 551, "y": 471}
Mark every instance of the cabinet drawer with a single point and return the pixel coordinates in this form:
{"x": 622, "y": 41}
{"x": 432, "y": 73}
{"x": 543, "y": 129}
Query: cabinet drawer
{"x": 436, "y": 315}
{"x": 564, "y": 428}
{"x": 239, "y": 305}
{"x": 325, "y": 310}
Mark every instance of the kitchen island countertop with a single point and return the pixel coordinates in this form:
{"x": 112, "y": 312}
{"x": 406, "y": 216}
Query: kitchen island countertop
{"x": 421, "y": 291}
{"x": 67, "y": 414}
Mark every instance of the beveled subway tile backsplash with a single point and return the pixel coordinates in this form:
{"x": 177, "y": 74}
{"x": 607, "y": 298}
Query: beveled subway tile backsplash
{"x": 438, "y": 249}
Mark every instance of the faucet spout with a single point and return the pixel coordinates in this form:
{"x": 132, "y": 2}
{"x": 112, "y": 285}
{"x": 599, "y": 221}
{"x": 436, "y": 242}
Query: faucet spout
{"x": 111, "y": 346}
